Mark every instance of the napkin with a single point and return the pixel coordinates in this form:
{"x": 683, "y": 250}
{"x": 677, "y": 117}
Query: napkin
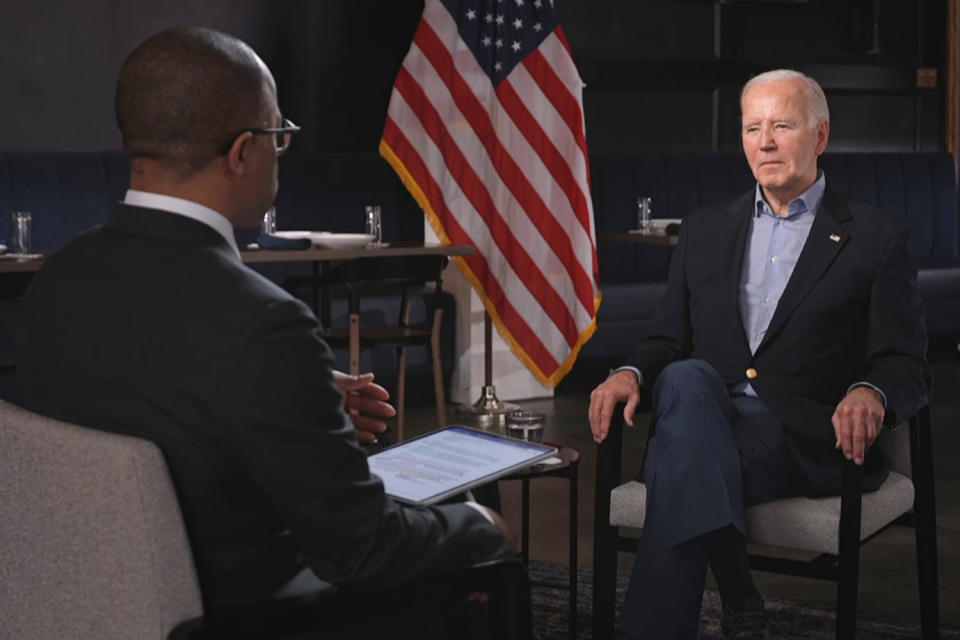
{"x": 267, "y": 241}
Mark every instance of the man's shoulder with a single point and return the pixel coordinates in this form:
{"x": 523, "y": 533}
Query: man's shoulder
{"x": 867, "y": 218}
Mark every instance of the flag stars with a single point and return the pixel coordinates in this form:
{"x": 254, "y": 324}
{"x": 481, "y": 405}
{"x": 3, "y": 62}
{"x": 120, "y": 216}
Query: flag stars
{"x": 488, "y": 18}
{"x": 499, "y": 19}
{"x": 538, "y": 27}
{"x": 537, "y": 3}
{"x": 497, "y": 66}
{"x": 518, "y": 23}
{"x": 519, "y": 3}
{"x": 499, "y": 43}
{"x": 471, "y": 14}
{"x": 515, "y": 46}
{"x": 486, "y": 41}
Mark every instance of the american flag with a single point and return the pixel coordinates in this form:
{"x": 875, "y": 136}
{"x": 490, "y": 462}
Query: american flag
{"x": 485, "y": 128}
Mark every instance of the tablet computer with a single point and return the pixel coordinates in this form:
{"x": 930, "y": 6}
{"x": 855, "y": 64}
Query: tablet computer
{"x": 443, "y": 463}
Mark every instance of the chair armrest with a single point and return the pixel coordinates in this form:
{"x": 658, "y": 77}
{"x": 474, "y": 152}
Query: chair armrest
{"x": 505, "y": 581}
{"x": 609, "y": 465}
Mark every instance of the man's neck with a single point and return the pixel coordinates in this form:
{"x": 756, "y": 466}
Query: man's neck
{"x": 779, "y": 201}
{"x": 147, "y": 175}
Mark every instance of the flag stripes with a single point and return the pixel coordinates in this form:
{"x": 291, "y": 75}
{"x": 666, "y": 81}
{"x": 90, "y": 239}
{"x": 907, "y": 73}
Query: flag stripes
{"x": 503, "y": 169}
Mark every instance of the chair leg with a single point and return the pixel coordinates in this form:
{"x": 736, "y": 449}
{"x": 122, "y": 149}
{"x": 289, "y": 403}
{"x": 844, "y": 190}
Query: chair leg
{"x": 849, "y": 551}
{"x": 925, "y": 523}
{"x": 438, "y": 368}
{"x": 605, "y": 536}
{"x": 604, "y": 581}
{"x": 401, "y": 391}
{"x": 354, "y": 343}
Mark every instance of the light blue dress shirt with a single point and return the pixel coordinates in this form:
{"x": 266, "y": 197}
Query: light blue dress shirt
{"x": 774, "y": 244}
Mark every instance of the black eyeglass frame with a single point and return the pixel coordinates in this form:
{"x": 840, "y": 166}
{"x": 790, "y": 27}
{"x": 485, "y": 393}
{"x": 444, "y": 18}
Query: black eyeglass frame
{"x": 284, "y": 134}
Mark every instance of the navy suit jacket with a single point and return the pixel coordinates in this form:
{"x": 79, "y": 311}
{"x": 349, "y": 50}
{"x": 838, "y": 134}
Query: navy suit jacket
{"x": 151, "y": 326}
{"x": 850, "y": 312}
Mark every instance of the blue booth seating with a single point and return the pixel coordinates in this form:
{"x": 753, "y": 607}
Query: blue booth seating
{"x": 70, "y": 192}
{"x": 920, "y": 187}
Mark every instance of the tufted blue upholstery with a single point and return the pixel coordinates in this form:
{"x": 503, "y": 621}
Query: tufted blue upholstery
{"x": 920, "y": 187}
{"x": 65, "y": 192}
{"x": 69, "y": 192}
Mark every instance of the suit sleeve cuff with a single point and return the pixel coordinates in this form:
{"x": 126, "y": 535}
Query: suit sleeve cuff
{"x": 883, "y": 396}
{"x": 481, "y": 510}
{"x": 628, "y": 368}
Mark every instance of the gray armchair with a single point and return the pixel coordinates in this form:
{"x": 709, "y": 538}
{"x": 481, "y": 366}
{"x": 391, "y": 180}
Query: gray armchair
{"x": 833, "y": 527}
{"x": 91, "y": 536}
{"x": 93, "y": 545}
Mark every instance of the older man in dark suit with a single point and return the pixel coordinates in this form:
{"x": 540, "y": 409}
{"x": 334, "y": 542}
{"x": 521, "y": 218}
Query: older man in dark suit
{"x": 791, "y": 328}
{"x": 151, "y": 326}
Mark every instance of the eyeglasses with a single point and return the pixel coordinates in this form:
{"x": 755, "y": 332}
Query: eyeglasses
{"x": 283, "y": 134}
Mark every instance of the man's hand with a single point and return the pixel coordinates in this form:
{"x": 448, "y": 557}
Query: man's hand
{"x": 366, "y": 402}
{"x": 620, "y": 387}
{"x": 857, "y": 421}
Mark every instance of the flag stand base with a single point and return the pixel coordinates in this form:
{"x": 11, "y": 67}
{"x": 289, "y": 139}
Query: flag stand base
{"x": 488, "y": 409}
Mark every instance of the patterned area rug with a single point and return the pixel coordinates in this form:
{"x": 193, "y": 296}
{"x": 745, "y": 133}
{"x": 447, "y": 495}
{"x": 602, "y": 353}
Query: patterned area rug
{"x": 790, "y": 620}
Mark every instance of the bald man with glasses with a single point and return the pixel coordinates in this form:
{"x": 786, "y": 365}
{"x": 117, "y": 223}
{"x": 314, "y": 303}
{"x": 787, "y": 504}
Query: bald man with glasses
{"x": 151, "y": 326}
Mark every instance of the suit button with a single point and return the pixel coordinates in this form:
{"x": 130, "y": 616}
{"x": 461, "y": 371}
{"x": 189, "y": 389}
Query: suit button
{"x": 751, "y": 373}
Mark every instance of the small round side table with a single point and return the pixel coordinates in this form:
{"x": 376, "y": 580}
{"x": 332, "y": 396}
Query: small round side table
{"x": 566, "y": 468}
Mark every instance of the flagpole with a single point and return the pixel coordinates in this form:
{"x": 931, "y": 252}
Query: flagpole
{"x": 488, "y": 408}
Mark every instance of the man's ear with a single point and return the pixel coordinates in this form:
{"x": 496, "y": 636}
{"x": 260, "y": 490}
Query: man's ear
{"x": 823, "y": 136}
{"x": 236, "y": 158}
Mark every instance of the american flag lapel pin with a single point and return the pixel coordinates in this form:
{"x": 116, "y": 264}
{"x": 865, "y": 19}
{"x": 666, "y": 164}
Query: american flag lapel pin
{"x": 835, "y": 237}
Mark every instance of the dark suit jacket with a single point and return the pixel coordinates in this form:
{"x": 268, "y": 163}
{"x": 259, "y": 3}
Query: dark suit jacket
{"x": 850, "y": 312}
{"x": 151, "y": 326}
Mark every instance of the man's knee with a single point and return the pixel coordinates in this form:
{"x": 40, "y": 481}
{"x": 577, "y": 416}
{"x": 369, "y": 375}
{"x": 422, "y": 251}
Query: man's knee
{"x": 685, "y": 378}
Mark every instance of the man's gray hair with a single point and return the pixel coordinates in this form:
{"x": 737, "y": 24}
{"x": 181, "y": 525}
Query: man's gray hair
{"x": 816, "y": 101}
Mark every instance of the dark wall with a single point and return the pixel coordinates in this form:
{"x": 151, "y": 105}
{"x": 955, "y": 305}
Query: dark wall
{"x": 661, "y": 74}
{"x": 666, "y": 74}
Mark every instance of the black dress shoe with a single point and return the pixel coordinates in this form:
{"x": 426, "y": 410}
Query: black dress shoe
{"x": 750, "y": 623}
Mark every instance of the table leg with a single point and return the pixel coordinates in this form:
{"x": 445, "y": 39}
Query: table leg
{"x": 574, "y": 540}
{"x": 525, "y": 521}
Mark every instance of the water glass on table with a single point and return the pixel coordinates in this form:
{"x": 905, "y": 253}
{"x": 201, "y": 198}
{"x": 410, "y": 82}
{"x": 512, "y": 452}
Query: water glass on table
{"x": 644, "y": 212}
{"x": 269, "y": 225}
{"x": 373, "y": 224}
{"x": 20, "y": 232}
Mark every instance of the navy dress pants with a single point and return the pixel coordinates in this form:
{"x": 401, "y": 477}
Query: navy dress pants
{"x": 710, "y": 456}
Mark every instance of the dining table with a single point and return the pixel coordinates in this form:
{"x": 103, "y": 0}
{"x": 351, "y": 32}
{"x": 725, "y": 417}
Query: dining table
{"x": 321, "y": 258}
{"x": 16, "y": 270}
{"x": 640, "y": 238}
{"x": 12, "y": 263}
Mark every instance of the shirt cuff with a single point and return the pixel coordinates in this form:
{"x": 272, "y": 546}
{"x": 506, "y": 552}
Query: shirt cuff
{"x": 883, "y": 396}
{"x": 628, "y": 368}
{"x": 482, "y": 510}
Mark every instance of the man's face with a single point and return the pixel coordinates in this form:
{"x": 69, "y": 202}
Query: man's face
{"x": 779, "y": 139}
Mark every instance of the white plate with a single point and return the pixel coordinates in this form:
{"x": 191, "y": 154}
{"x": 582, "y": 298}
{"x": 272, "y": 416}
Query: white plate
{"x": 329, "y": 240}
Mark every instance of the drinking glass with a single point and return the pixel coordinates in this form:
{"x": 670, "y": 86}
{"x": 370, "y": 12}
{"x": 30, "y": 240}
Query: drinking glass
{"x": 373, "y": 224}
{"x": 269, "y": 225}
{"x": 20, "y": 234}
{"x": 644, "y": 206}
